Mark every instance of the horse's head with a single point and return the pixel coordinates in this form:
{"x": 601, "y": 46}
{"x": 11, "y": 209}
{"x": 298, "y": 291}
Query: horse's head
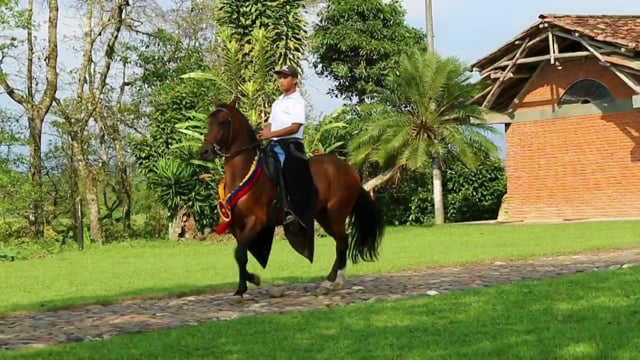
{"x": 221, "y": 129}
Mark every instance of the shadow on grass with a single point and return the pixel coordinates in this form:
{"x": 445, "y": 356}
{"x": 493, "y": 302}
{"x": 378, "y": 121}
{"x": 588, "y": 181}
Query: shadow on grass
{"x": 587, "y": 316}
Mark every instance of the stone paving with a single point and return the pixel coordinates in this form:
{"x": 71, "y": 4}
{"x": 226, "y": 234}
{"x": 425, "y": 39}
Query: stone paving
{"x": 97, "y": 322}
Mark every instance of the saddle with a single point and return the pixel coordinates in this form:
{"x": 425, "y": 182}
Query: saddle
{"x": 300, "y": 238}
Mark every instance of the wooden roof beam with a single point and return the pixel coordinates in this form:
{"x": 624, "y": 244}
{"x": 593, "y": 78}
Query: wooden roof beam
{"x": 626, "y": 62}
{"x": 510, "y": 56}
{"x": 630, "y": 81}
{"x": 535, "y": 59}
{"x": 553, "y": 47}
{"x": 511, "y": 75}
{"x": 498, "y": 85}
{"x": 598, "y": 45}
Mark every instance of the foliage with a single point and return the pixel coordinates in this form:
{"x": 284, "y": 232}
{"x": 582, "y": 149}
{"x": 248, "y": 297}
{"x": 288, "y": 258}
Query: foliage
{"x": 470, "y": 194}
{"x": 424, "y": 110}
{"x": 253, "y": 40}
{"x": 164, "y": 59}
{"x": 423, "y": 114}
{"x": 474, "y": 194}
{"x": 334, "y": 131}
{"x": 162, "y": 156}
{"x": 178, "y": 186}
{"x": 407, "y": 200}
{"x": 17, "y": 191}
{"x": 356, "y": 44}
{"x": 320, "y": 137}
{"x": 8, "y": 254}
{"x": 11, "y": 18}
{"x": 249, "y": 78}
{"x": 281, "y": 20}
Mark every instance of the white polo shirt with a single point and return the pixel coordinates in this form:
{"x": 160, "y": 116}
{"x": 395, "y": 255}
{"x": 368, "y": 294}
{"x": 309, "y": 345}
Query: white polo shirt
{"x": 287, "y": 110}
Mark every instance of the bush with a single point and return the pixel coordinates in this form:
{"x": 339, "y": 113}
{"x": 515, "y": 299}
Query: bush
{"x": 14, "y": 228}
{"x": 469, "y": 195}
{"x": 473, "y": 195}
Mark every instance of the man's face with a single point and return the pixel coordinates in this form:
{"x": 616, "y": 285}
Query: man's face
{"x": 287, "y": 83}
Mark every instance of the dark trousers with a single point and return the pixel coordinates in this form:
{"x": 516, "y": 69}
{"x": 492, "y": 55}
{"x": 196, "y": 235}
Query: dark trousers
{"x": 298, "y": 181}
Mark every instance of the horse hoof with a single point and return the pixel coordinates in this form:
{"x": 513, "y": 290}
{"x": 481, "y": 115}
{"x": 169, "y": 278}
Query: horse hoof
{"x": 240, "y": 291}
{"x": 324, "y": 288}
{"x": 337, "y": 286}
{"x": 238, "y": 299}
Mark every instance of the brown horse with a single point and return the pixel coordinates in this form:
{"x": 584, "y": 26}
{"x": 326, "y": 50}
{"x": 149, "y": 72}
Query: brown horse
{"x": 340, "y": 197}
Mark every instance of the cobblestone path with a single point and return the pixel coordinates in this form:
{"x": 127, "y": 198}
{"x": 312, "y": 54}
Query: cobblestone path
{"x": 97, "y": 322}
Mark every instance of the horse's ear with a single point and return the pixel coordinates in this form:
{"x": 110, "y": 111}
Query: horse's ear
{"x": 235, "y": 100}
{"x": 216, "y": 101}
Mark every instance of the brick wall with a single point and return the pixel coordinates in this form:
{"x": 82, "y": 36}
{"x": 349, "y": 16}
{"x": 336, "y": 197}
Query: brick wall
{"x": 584, "y": 167}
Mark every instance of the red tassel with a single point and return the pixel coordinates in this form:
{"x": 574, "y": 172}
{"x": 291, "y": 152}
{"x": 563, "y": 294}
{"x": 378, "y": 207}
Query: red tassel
{"x": 222, "y": 228}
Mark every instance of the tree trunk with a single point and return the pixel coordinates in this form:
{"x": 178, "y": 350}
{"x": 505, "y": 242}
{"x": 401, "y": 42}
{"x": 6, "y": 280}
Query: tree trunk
{"x": 125, "y": 184}
{"x": 36, "y": 213}
{"x": 78, "y": 220}
{"x": 124, "y": 188}
{"x": 36, "y": 111}
{"x": 380, "y": 179}
{"x": 438, "y": 200}
{"x": 90, "y": 183}
{"x": 176, "y": 227}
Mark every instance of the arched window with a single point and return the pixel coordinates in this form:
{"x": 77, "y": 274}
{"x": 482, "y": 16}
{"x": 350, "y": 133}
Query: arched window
{"x": 586, "y": 91}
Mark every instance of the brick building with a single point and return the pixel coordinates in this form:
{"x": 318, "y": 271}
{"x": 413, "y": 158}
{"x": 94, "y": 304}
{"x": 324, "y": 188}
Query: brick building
{"x": 566, "y": 89}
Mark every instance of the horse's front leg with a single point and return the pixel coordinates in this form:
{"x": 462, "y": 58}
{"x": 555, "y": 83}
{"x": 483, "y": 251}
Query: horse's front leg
{"x": 244, "y": 237}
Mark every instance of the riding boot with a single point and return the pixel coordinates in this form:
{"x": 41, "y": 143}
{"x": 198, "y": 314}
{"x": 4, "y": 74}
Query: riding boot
{"x": 289, "y": 216}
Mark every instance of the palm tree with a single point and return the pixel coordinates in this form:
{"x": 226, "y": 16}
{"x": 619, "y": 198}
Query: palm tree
{"x": 423, "y": 116}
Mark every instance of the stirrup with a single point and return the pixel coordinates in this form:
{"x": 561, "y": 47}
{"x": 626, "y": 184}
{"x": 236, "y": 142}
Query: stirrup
{"x": 290, "y": 217}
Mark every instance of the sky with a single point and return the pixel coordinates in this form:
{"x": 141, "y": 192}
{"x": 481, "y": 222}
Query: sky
{"x": 467, "y": 29}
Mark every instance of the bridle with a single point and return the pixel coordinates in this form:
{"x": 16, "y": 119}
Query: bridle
{"x": 221, "y": 150}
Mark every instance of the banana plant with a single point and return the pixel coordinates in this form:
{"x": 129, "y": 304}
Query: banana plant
{"x": 315, "y": 140}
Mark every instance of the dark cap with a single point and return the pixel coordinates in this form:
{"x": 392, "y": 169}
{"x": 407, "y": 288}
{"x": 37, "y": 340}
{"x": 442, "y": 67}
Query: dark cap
{"x": 287, "y": 70}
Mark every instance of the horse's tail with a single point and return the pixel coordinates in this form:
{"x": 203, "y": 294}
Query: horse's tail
{"x": 367, "y": 229}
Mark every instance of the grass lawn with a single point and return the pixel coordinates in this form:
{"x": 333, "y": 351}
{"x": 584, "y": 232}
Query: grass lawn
{"x": 143, "y": 268}
{"x": 593, "y": 315}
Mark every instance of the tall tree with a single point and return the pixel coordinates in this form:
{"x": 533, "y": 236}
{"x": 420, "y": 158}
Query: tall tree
{"x": 424, "y": 111}
{"x": 35, "y": 102}
{"x": 357, "y": 43}
{"x": 164, "y": 57}
{"x": 102, "y": 21}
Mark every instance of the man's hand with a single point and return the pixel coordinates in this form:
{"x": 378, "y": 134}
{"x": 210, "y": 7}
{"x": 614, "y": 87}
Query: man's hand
{"x": 265, "y": 134}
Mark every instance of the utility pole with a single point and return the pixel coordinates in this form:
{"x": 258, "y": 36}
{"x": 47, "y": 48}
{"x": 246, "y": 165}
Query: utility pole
{"x": 436, "y": 166}
{"x": 428, "y": 9}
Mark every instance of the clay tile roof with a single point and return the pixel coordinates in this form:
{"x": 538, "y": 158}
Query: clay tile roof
{"x": 621, "y": 30}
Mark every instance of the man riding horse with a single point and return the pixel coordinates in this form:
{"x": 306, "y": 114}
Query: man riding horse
{"x": 324, "y": 187}
{"x": 285, "y": 129}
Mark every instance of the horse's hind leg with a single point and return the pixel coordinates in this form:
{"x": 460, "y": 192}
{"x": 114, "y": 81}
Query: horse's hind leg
{"x": 336, "y": 229}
